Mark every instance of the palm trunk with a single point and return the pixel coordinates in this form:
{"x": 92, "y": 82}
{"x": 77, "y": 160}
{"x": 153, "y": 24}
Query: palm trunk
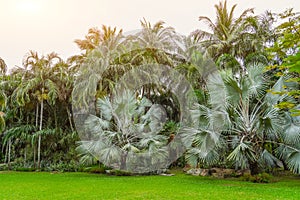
{"x": 123, "y": 161}
{"x": 9, "y": 152}
{"x": 40, "y": 137}
{"x": 39, "y": 152}
{"x": 254, "y": 168}
{"x": 34, "y": 144}
{"x": 34, "y": 156}
{"x": 70, "y": 119}
{"x": 55, "y": 118}
{"x": 25, "y": 155}
{"x": 6, "y": 154}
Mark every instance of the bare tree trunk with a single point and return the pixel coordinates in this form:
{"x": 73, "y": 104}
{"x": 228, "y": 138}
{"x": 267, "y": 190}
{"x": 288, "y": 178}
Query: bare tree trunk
{"x": 40, "y": 137}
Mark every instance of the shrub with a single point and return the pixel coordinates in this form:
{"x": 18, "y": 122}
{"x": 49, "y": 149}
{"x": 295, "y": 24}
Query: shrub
{"x": 24, "y": 169}
{"x": 96, "y": 170}
{"x": 61, "y": 166}
{"x": 3, "y": 167}
{"x": 259, "y": 178}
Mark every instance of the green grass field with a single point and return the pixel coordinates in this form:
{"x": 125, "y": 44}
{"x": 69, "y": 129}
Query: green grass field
{"x": 42, "y": 185}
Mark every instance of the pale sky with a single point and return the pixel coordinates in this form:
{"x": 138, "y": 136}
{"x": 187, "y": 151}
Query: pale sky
{"x": 53, "y": 25}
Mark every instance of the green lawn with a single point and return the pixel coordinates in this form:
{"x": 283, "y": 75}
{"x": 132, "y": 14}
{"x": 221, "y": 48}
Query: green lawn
{"x": 42, "y": 185}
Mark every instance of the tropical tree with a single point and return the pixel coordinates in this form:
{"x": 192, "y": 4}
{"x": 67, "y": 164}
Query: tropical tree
{"x": 229, "y": 35}
{"x": 96, "y": 37}
{"x": 38, "y": 86}
{"x": 242, "y": 124}
{"x": 3, "y": 66}
{"x": 125, "y": 131}
{"x": 3, "y": 97}
{"x": 17, "y": 133}
{"x": 286, "y": 55}
{"x": 95, "y": 61}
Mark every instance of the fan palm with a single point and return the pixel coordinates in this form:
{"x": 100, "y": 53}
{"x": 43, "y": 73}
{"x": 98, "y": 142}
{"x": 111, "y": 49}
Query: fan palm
{"x": 242, "y": 121}
{"x": 125, "y": 135}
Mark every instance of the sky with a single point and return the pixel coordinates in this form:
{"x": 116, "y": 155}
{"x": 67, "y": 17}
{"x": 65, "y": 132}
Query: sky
{"x": 53, "y": 25}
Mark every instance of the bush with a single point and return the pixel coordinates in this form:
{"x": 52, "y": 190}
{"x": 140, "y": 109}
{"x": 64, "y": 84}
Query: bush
{"x": 96, "y": 170}
{"x": 24, "y": 169}
{"x": 263, "y": 178}
{"x": 71, "y": 166}
{"x": 3, "y": 167}
{"x": 259, "y": 178}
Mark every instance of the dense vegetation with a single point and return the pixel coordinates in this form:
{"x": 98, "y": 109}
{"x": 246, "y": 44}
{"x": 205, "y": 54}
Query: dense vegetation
{"x": 248, "y": 114}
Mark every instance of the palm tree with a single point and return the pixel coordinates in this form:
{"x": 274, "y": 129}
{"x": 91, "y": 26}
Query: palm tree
{"x": 96, "y": 59}
{"x": 229, "y": 35}
{"x": 63, "y": 75}
{"x": 37, "y": 84}
{"x": 3, "y": 93}
{"x": 3, "y": 66}
{"x": 156, "y": 36}
{"x": 3, "y": 100}
{"x": 95, "y": 38}
{"x": 153, "y": 44}
{"x": 125, "y": 135}
{"x": 21, "y": 132}
{"x": 242, "y": 124}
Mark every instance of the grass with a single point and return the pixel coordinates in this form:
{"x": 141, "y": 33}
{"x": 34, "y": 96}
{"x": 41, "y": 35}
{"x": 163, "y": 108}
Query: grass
{"x": 42, "y": 185}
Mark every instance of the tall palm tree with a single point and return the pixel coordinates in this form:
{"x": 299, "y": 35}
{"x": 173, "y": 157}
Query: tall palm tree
{"x": 228, "y": 35}
{"x": 154, "y": 43}
{"x": 63, "y": 74}
{"x": 156, "y": 36}
{"x": 94, "y": 63}
{"x": 38, "y": 85}
{"x": 97, "y": 37}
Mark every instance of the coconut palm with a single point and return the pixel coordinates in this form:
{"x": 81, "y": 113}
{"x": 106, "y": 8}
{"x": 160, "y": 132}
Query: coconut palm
{"x": 96, "y": 38}
{"x": 154, "y": 43}
{"x": 156, "y": 36}
{"x": 229, "y": 35}
{"x": 94, "y": 62}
